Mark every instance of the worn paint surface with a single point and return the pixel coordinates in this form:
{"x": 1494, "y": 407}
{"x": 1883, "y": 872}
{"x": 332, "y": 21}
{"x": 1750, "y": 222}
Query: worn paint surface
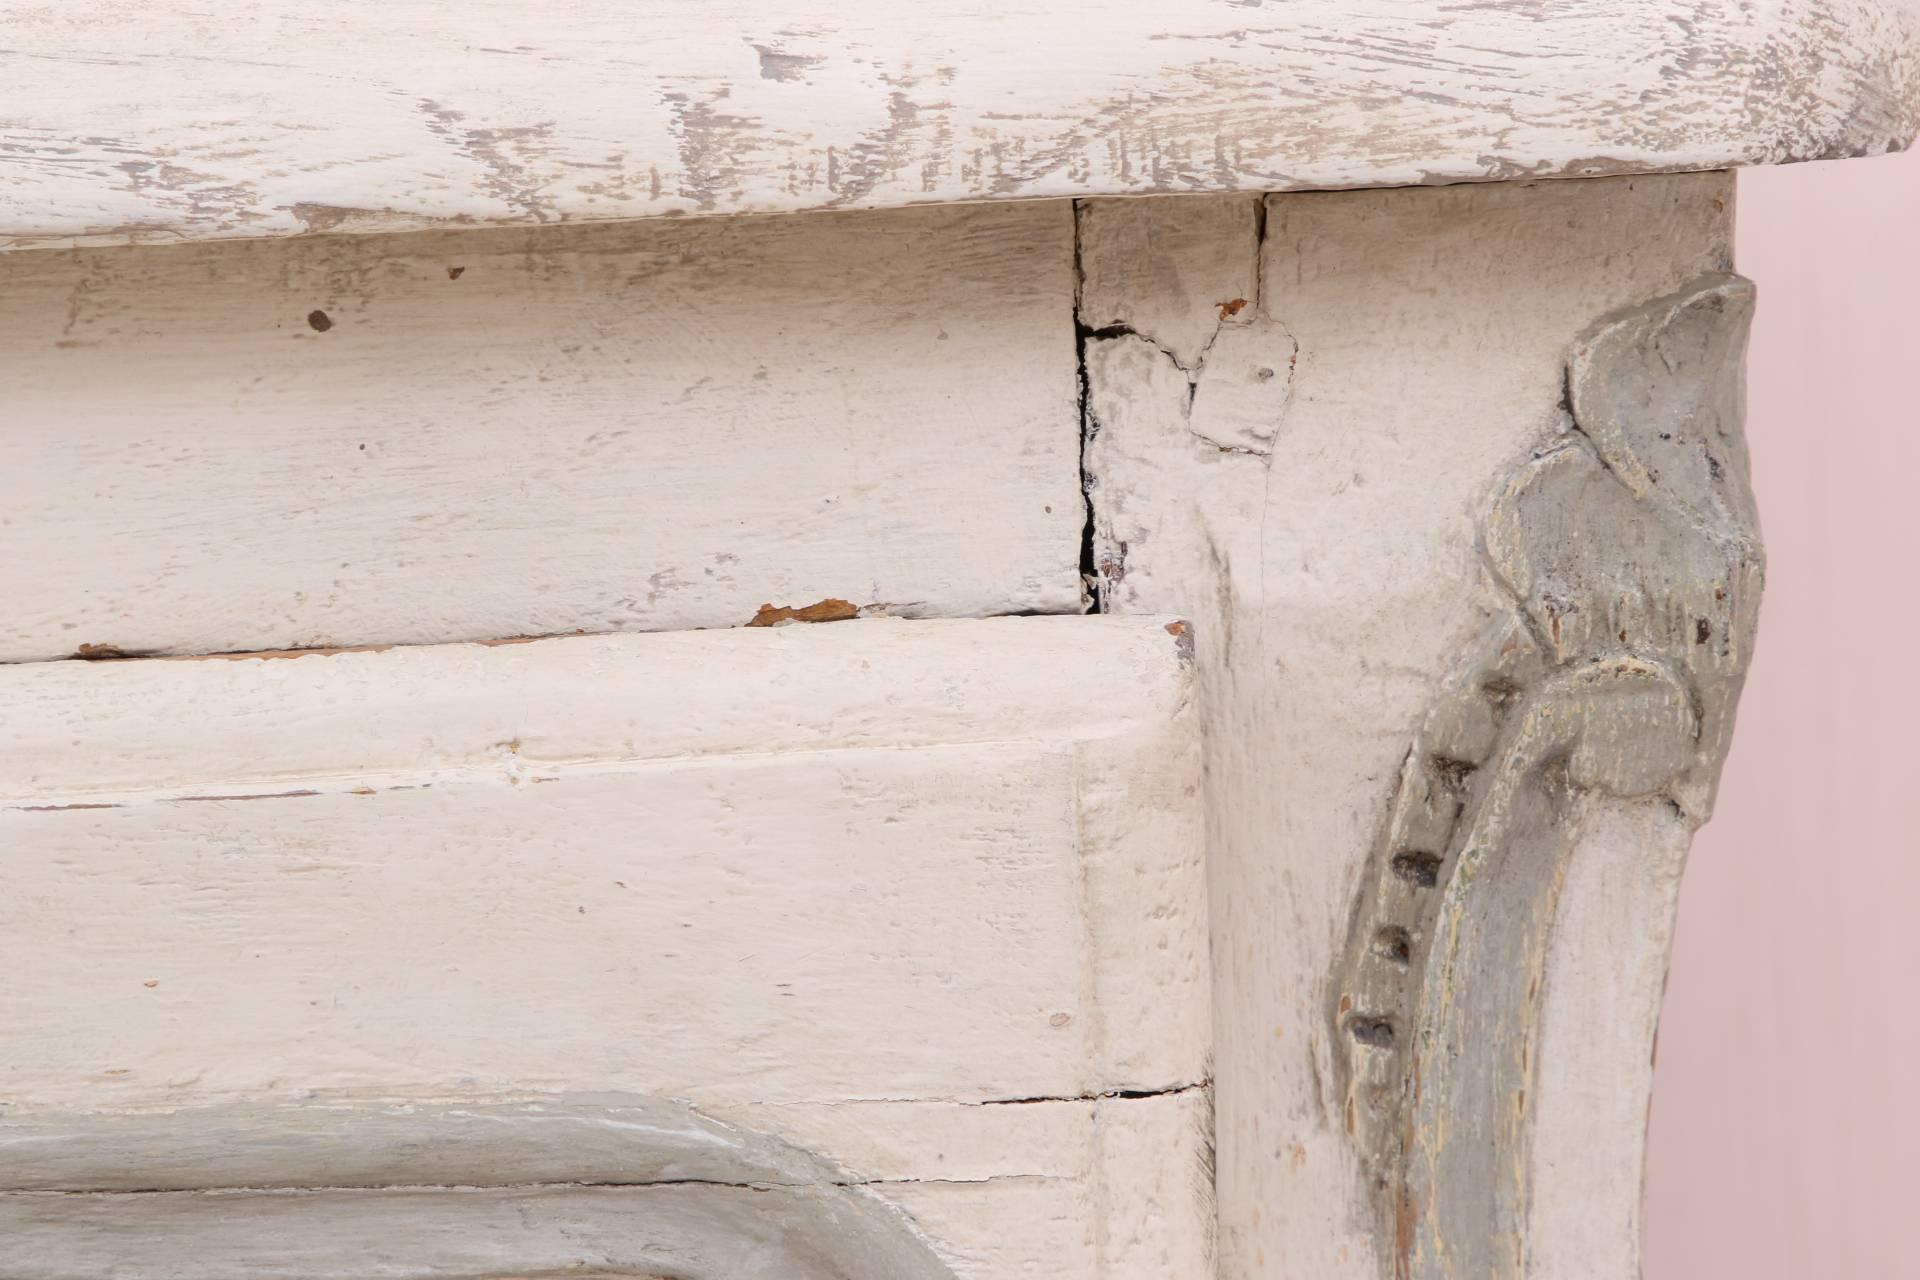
{"x": 1321, "y": 527}
{"x": 274, "y": 118}
{"x": 1629, "y": 549}
{"x": 929, "y": 863}
{"x": 618, "y": 428}
{"x": 924, "y": 899}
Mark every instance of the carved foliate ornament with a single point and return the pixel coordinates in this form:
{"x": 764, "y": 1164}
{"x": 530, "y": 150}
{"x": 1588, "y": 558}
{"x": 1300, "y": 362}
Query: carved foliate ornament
{"x": 1628, "y": 554}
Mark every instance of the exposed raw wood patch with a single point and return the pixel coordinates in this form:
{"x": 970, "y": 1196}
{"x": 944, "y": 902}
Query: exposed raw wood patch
{"x": 1182, "y": 633}
{"x": 103, "y": 653}
{"x": 828, "y": 610}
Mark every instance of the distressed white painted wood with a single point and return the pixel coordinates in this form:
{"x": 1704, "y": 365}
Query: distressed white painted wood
{"x": 923, "y": 898}
{"x": 274, "y": 118}
{"x": 470, "y": 435}
{"x": 903, "y": 949}
{"x": 1322, "y": 523}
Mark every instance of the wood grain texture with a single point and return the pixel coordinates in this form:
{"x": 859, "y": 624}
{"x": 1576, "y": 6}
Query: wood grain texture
{"x": 272, "y": 118}
{"x": 1326, "y": 547}
{"x": 470, "y": 435}
{"x": 923, "y": 898}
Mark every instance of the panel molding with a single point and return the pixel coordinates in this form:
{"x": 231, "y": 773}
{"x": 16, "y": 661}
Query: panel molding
{"x": 344, "y": 1189}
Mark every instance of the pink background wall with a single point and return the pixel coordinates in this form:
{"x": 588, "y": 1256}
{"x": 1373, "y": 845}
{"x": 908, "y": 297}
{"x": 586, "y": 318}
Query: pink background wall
{"x": 1786, "y": 1117}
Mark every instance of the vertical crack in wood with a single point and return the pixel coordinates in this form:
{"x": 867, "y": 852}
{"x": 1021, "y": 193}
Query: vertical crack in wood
{"x": 1090, "y": 593}
{"x": 1629, "y": 550}
{"x": 1214, "y": 361}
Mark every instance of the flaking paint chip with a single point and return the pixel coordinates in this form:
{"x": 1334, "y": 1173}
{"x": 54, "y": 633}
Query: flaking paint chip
{"x": 829, "y": 610}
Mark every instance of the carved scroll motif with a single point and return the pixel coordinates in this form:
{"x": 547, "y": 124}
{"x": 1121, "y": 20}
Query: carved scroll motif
{"x": 1629, "y": 550}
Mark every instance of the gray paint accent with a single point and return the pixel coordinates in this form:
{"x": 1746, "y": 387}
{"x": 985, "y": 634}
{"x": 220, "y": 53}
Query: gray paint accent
{"x": 350, "y": 1189}
{"x": 1629, "y": 550}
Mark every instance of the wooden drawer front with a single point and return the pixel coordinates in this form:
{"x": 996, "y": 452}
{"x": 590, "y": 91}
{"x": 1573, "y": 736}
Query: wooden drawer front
{"x": 920, "y": 896}
{"x": 474, "y": 434}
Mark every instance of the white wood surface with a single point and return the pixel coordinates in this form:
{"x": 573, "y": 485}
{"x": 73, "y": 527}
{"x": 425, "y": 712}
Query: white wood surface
{"x": 169, "y": 121}
{"x": 639, "y": 427}
{"x": 1326, "y": 547}
{"x": 920, "y": 897}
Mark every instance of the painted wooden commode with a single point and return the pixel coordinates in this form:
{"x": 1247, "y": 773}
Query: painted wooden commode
{"x": 943, "y": 642}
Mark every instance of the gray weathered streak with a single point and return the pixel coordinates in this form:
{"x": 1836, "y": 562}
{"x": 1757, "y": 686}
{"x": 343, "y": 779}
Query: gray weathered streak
{"x": 356, "y": 1189}
{"x": 687, "y": 1233}
{"x": 1629, "y": 550}
{"x": 607, "y": 1138}
{"x": 395, "y": 114}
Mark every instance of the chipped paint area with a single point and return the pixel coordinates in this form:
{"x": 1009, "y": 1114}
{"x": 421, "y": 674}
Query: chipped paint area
{"x": 828, "y": 610}
{"x": 1182, "y": 633}
{"x": 460, "y": 435}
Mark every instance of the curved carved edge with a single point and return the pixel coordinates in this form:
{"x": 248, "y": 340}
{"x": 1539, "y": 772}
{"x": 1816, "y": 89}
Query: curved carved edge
{"x": 1629, "y": 555}
{"x": 575, "y": 1184}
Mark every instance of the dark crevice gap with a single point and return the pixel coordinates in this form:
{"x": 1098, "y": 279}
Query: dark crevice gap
{"x": 1125, "y": 1094}
{"x": 1393, "y": 943}
{"x": 1417, "y": 868}
{"x": 1374, "y": 1032}
{"x": 1082, "y": 334}
{"x": 1260, "y": 255}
